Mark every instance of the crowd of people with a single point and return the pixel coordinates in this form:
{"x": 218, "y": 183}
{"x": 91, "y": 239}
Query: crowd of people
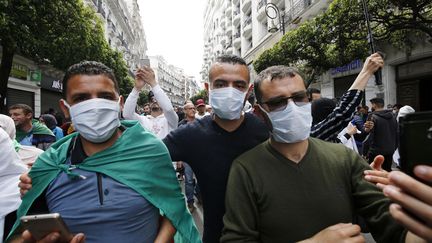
{"x": 286, "y": 165}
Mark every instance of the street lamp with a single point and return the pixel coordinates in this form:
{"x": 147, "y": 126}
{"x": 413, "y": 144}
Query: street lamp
{"x": 272, "y": 11}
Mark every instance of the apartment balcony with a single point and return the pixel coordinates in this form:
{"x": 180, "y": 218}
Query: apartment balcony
{"x": 228, "y": 10}
{"x": 237, "y": 17}
{"x": 222, "y": 22}
{"x": 235, "y": 2}
{"x": 228, "y": 30}
{"x": 262, "y": 17}
{"x": 277, "y": 2}
{"x": 246, "y": 6}
{"x": 223, "y": 40}
{"x": 230, "y": 50}
{"x": 247, "y": 27}
{"x": 237, "y": 40}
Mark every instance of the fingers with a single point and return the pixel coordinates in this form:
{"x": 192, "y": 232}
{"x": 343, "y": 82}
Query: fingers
{"x": 24, "y": 184}
{"x": 420, "y": 209}
{"x": 424, "y": 172}
{"x": 377, "y": 163}
{"x": 52, "y": 237}
{"x": 78, "y": 238}
{"x": 410, "y": 223}
{"x": 411, "y": 186}
{"x": 376, "y": 177}
{"x": 350, "y": 230}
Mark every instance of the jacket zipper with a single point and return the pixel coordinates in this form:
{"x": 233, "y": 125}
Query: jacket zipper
{"x": 99, "y": 184}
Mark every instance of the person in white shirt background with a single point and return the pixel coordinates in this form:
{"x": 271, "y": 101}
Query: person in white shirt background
{"x": 162, "y": 118}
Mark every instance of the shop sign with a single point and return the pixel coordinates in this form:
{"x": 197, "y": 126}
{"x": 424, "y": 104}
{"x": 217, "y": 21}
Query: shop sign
{"x": 354, "y": 65}
{"x": 52, "y": 84}
{"x": 19, "y": 71}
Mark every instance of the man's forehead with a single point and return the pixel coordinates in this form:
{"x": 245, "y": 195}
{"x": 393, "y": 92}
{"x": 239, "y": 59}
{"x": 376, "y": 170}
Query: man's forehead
{"x": 221, "y": 69}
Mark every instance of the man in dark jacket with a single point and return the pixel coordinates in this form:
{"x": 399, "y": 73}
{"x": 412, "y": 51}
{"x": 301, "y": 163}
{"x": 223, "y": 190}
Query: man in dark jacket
{"x": 382, "y": 136}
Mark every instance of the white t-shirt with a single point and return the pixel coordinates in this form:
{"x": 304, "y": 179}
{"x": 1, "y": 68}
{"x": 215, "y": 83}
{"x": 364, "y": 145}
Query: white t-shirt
{"x": 160, "y": 125}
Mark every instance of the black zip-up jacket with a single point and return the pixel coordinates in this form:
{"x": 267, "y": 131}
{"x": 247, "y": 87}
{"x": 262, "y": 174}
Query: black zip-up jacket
{"x": 384, "y": 133}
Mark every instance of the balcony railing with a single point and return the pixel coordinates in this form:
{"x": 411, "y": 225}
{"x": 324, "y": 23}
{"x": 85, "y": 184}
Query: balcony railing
{"x": 261, "y": 4}
{"x": 298, "y": 8}
{"x": 247, "y": 21}
{"x": 237, "y": 35}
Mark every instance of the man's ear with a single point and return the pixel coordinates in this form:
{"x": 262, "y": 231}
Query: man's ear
{"x": 262, "y": 116}
{"x": 64, "y": 109}
{"x": 121, "y": 102}
{"x": 29, "y": 116}
{"x": 206, "y": 86}
{"x": 249, "y": 92}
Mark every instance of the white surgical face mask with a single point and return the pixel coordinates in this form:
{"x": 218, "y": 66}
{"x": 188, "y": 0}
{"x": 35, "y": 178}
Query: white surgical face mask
{"x": 95, "y": 119}
{"x": 227, "y": 103}
{"x": 291, "y": 125}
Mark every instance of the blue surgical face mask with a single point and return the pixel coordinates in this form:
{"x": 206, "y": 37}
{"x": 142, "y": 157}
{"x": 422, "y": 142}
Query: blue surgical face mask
{"x": 292, "y": 124}
{"x": 95, "y": 119}
{"x": 227, "y": 103}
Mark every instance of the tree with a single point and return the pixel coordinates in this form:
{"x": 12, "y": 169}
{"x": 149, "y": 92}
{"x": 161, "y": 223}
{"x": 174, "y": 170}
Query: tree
{"x": 202, "y": 94}
{"x": 56, "y": 32}
{"x": 338, "y": 35}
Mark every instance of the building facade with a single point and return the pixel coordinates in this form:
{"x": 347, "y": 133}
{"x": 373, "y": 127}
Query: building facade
{"x": 123, "y": 28}
{"x": 172, "y": 79}
{"x": 241, "y": 27}
{"x": 40, "y": 87}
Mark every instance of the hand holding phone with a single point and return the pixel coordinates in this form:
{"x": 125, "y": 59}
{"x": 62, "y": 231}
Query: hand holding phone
{"x": 415, "y": 141}
{"x": 41, "y": 225}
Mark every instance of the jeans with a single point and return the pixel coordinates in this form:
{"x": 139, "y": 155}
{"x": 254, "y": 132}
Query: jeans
{"x": 189, "y": 183}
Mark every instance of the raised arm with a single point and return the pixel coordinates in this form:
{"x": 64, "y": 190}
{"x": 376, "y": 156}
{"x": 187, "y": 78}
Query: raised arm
{"x": 341, "y": 115}
{"x": 146, "y": 74}
{"x": 130, "y": 103}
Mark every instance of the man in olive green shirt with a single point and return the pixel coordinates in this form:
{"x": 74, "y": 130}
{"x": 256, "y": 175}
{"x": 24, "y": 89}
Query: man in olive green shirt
{"x": 292, "y": 187}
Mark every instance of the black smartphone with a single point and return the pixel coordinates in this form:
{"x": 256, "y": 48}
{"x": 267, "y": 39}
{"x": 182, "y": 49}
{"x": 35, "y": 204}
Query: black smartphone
{"x": 415, "y": 141}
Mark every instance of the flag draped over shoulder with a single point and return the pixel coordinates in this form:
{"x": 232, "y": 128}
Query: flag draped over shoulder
{"x": 137, "y": 159}
{"x": 38, "y": 128}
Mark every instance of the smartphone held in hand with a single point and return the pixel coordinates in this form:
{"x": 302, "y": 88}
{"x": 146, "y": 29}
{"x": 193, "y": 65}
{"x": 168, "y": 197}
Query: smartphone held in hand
{"x": 415, "y": 140}
{"x": 41, "y": 225}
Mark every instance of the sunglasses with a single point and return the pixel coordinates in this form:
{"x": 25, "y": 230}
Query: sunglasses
{"x": 280, "y": 103}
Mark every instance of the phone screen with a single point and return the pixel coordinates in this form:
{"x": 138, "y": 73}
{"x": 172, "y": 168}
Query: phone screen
{"x": 415, "y": 140}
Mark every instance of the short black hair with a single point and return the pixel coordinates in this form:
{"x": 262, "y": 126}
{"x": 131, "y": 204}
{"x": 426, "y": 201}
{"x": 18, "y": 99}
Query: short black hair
{"x": 397, "y": 106}
{"x": 377, "y": 101}
{"x": 26, "y": 108}
{"x": 274, "y": 72}
{"x": 88, "y": 68}
{"x": 230, "y": 59}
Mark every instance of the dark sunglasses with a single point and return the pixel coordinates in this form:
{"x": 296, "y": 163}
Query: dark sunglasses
{"x": 280, "y": 103}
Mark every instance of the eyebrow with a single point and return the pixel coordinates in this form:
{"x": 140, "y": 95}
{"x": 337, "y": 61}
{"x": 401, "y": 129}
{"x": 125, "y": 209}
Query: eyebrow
{"x": 280, "y": 97}
{"x": 225, "y": 81}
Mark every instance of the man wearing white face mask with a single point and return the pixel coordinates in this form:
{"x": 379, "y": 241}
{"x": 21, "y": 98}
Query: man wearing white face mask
{"x": 293, "y": 187}
{"x": 110, "y": 180}
{"x": 219, "y": 138}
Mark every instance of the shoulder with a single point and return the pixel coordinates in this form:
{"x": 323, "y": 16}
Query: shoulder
{"x": 254, "y": 155}
{"x": 328, "y": 149}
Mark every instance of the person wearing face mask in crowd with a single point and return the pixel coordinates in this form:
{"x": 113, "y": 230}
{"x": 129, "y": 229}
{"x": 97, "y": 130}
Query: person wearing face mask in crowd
{"x": 293, "y": 187}
{"x": 218, "y": 138}
{"x": 162, "y": 118}
{"x": 110, "y": 180}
